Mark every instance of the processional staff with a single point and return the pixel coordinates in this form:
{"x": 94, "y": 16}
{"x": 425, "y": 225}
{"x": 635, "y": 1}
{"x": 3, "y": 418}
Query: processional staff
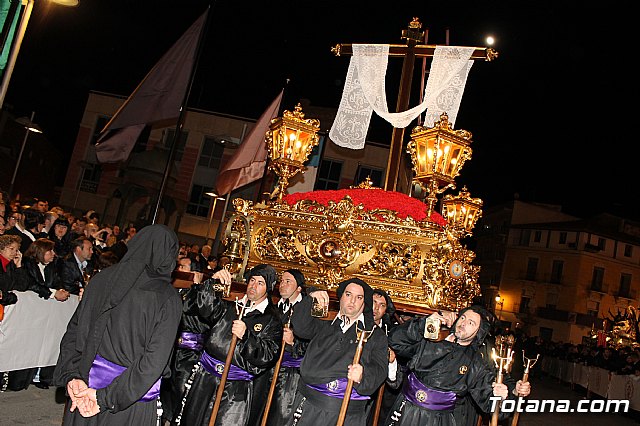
{"x": 276, "y": 370}
{"x": 241, "y": 309}
{"x": 376, "y": 413}
{"x": 363, "y": 335}
{"x": 529, "y": 363}
{"x": 503, "y": 359}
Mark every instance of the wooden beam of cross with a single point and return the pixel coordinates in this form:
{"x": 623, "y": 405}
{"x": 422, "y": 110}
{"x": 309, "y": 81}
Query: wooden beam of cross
{"x": 409, "y": 52}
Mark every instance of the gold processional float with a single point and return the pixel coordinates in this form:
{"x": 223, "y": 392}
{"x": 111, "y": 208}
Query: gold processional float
{"x": 391, "y": 240}
{"x": 366, "y": 232}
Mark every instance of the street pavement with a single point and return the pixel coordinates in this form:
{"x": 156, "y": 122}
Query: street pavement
{"x": 36, "y": 407}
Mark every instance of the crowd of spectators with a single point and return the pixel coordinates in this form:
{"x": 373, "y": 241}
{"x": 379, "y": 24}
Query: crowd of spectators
{"x": 51, "y": 252}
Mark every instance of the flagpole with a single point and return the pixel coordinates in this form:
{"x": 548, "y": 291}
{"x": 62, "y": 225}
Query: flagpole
{"x": 181, "y": 117}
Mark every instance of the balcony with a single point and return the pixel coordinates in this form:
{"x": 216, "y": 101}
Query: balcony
{"x": 591, "y": 248}
{"x": 599, "y": 288}
{"x": 553, "y": 314}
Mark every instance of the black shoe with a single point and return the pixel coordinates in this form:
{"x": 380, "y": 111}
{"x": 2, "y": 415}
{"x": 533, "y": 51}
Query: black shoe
{"x": 41, "y": 385}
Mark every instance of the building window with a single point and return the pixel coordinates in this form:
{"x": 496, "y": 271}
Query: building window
{"x": 91, "y": 178}
{"x": 211, "y": 154}
{"x": 556, "y": 271}
{"x": 329, "y": 175}
{"x": 552, "y": 300}
{"x": 597, "y": 278}
{"x": 563, "y": 238}
{"x": 625, "y": 285}
{"x": 101, "y": 121}
{"x": 524, "y": 305}
{"x": 525, "y": 237}
{"x": 182, "y": 142}
{"x": 546, "y": 334}
{"x": 628, "y": 250}
{"x": 601, "y": 243}
{"x": 537, "y": 236}
{"x": 372, "y": 173}
{"x": 532, "y": 269}
{"x": 199, "y": 203}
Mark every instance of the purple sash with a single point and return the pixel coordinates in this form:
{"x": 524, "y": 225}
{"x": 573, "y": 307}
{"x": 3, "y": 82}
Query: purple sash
{"x": 192, "y": 341}
{"x": 289, "y": 361}
{"x": 103, "y": 372}
{"x": 422, "y": 396}
{"x": 336, "y": 388}
{"x": 216, "y": 368}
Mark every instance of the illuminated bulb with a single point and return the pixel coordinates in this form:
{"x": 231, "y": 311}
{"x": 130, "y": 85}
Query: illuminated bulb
{"x": 490, "y": 40}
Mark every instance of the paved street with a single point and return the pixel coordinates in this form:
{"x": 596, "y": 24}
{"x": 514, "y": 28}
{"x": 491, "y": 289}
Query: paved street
{"x": 37, "y": 407}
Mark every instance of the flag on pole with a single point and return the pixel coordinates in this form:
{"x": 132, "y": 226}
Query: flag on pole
{"x": 248, "y": 163}
{"x": 158, "y": 98}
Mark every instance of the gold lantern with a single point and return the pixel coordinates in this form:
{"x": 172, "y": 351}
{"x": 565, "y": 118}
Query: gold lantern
{"x": 461, "y": 212}
{"x": 438, "y": 153}
{"x": 290, "y": 140}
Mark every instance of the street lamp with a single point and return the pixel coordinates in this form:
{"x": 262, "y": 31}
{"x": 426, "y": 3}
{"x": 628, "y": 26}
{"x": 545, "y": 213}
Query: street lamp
{"x": 215, "y": 197}
{"x": 499, "y": 301}
{"x": 29, "y": 127}
{"x": 17, "y": 41}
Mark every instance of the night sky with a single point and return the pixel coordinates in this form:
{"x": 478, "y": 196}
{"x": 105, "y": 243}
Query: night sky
{"x": 550, "y": 117}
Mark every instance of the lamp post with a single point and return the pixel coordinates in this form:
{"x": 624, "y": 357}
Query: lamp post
{"x": 17, "y": 42}
{"x": 29, "y": 126}
{"x": 214, "y": 200}
{"x": 499, "y": 301}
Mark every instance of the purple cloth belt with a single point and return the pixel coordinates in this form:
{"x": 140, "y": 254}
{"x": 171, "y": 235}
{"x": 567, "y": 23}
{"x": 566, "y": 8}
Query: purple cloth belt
{"x": 216, "y": 368}
{"x": 289, "y": 361}
{"x": 422, "y": 396}
{"x": 190, "y": 341}
{"x": 103, "y": 372}
{"x": 336, "y": 388}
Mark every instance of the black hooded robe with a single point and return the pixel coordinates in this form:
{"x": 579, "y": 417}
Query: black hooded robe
{"x": 129, "y": 315}
{"x": 255, "y": 353}
{"x": 444, "y": 366}
{"x": 327, "y": 358}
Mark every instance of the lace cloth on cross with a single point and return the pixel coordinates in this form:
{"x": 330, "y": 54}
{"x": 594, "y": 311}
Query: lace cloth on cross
{"x": 364, "y": 91}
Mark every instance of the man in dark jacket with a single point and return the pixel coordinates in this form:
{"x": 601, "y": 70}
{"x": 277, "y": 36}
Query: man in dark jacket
{"x": 77, "y": 266}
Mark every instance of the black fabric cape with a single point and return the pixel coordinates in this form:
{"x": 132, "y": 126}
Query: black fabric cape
{"x": 444, "y": 366}
{"x": 256, "y": 352}
{"x": 327, "y": 358}
{"x": 129, "y": 315}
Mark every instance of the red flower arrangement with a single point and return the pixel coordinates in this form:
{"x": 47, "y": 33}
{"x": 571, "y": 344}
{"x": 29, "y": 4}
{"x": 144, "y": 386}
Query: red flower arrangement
{"x": 372, "y": 199}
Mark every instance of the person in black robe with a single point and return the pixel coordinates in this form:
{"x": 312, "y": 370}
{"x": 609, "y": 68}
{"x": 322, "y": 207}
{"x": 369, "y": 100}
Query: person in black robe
{"x": 327, "y": 366}
{"x": 383, "y": 312}
{"x": 119, "y": 341}
{"x": 259, "y": 334}
{"x": 443, "y": 373}
{"x": 292, "y": 290}
{"x": 188, "y": 348}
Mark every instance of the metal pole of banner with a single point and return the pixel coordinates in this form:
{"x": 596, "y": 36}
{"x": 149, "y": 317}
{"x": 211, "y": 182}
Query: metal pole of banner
{"x": 181, "y": 118}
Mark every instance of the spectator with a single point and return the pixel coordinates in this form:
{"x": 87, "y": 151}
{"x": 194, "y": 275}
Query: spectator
{"x": 77, "y": 267}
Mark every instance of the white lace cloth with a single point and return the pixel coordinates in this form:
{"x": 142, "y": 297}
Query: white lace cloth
{"x": 364, "y": 91}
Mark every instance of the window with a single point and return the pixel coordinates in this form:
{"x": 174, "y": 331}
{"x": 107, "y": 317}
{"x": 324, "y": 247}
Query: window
{"x": 597, "y": 278}
{"x": 628, "y": 250}
{"x": 625, "y": 285}
{"x": 525, "y": 237}
{"x": 181, "y": 143}
{"x": 199, "y": 203}
{"x": 537, "y": 236}
{"x": 563, "y": 238}
{"x": 91, "y": 178}
{"x": 101, "y": 121}
{"x": 601, "y": 243}
{"x": 546, "y": 334}
{"x": 524, "y": 305}
{"x": 556, "y": 271}
{"x": 329, "y": 174}
{"x": 532, "y": 269}
{"x": 552, "y": 300}
{"x": 372, "y": 173}
{"x": 211, "y": 154}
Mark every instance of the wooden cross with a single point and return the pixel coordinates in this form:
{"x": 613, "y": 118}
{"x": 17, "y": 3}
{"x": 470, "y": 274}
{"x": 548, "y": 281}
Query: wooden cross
{"x": 409, "y": 52}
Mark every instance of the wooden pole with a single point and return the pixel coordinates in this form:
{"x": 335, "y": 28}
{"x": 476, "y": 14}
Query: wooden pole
{"x": 494, "y": 416}
{"x": 525, "y": 378}
{"x": 225, "y": 374}
{"x": 376, "y": 413}
{"x": 362, "y": 337}
{"x": 274, "y": 380}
